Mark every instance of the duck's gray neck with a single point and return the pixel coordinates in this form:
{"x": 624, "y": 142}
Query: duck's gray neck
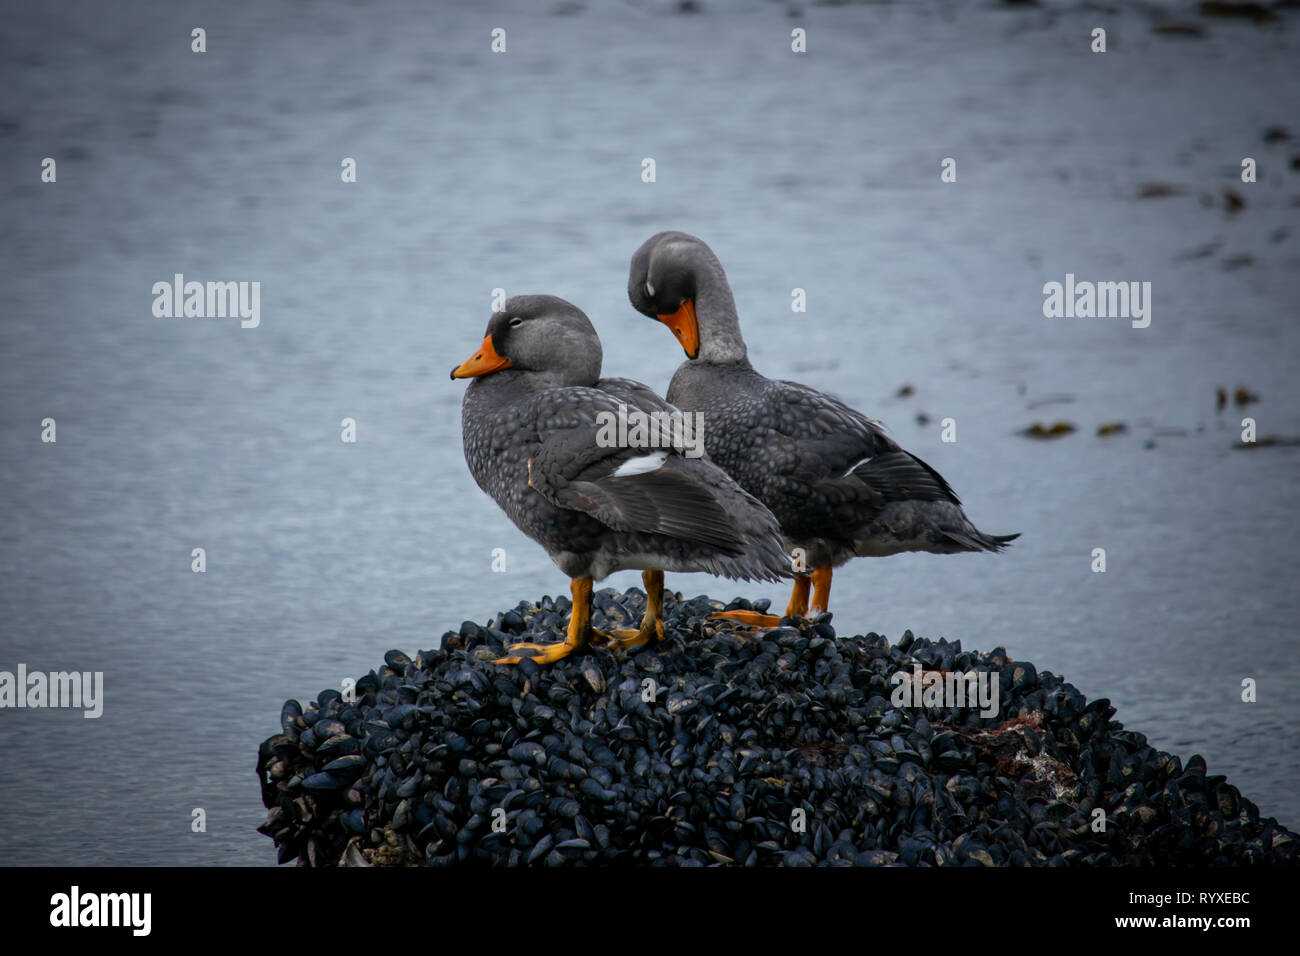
{"x": 715, "y": 311}
{"x": 512, "y": 385}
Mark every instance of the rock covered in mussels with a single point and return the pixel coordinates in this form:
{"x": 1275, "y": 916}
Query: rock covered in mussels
{"x": 730, "y": 747}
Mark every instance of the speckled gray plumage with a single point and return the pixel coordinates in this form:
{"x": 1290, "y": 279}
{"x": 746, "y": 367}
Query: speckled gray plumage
{"x": 686, "y": 515}
{"x": 839, "y": 486}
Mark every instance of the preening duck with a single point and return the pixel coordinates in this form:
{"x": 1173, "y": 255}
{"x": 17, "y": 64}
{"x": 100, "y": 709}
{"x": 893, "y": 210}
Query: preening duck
{"x": 837, "y": 484}
{"x": 534, "y": 425}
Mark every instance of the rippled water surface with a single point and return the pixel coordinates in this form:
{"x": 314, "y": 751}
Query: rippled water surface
{"x": 523, "y": 171}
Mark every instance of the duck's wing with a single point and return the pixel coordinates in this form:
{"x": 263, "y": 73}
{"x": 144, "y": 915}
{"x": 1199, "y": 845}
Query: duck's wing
{"x": 840, "y": 451}
{"x": 856, "y": 476}
{"x": 655, "y": 491}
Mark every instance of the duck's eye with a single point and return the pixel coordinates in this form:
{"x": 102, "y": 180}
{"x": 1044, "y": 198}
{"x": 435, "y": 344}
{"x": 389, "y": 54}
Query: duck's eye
{"x": 516, "y": 322}
{"x": 649, "y": 289}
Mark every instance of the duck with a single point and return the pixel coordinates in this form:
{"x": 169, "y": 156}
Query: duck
{"x": 535, "y": 428}
{"x": 839, "y": 486}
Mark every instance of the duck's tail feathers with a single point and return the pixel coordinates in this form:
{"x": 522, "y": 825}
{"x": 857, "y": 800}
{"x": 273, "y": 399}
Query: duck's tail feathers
{"x": 975, "y": 540}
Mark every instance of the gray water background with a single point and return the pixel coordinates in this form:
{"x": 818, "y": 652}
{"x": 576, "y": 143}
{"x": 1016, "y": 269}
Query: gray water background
{"x": 522, "y": 171}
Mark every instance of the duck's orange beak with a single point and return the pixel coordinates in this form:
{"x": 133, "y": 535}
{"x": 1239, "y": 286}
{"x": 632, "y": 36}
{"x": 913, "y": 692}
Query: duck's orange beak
{"x": 484, "y": 362}
{"x": 685, "y": 327}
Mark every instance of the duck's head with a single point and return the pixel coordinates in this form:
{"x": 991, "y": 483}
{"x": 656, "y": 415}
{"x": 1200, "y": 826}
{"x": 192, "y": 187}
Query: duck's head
{"x": 539, "y": 334}
{"x": 667, "y": 277}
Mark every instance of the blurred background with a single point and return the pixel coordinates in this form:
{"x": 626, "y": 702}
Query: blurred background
{"x": 522, "y": 171}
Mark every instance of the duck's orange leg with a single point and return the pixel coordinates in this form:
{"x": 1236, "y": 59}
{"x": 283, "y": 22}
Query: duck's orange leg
{"x": 821, "y": 580}
{"x": 652, "y": 625}
{"x": 798, "y": 606}
{"x": 579, "y": 635}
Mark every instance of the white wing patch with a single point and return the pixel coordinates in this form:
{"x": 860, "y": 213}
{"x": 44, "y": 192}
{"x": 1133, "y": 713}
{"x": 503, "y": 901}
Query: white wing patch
{"x": 853, "y": 468}
{"x": 641, "y": 465}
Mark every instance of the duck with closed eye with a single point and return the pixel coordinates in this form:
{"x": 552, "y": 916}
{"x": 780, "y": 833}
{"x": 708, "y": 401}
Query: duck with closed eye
{"x": 531, "y": 423}
{"x": 839, "y": 486}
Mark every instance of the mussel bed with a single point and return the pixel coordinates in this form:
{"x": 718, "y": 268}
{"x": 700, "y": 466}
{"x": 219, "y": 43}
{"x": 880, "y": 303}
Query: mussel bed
{"x": 721, "y": 746}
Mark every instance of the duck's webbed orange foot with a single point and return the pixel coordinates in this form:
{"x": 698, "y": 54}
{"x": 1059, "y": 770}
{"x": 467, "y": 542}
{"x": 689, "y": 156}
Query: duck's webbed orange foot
{"x": 580, "y": 633}
{"x": 748, "y": 618}
{"x": 652, "y": 625}
{"x": 797, "y": 607}
{"x": 648, "y": 633}
{"x": 538, "y": 653}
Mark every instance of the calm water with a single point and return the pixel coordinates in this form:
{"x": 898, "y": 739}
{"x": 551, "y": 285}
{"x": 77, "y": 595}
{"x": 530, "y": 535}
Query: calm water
{"x": 522, "y": 171}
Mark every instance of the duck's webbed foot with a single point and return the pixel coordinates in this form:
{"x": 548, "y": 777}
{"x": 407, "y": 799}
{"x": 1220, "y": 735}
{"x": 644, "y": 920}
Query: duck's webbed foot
{"x": 580, "y": 633}
{"x": 652, "y": 625}
{"x": 798, "y": 607}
